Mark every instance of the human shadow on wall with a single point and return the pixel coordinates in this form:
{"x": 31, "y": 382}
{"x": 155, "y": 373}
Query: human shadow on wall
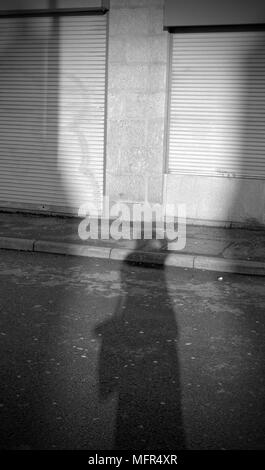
{"x": 139, "y": 361}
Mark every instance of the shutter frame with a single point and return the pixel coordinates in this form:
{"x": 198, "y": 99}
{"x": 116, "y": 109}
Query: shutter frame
{"x": 217, "y": 114}
{"x": 49, "y": 148}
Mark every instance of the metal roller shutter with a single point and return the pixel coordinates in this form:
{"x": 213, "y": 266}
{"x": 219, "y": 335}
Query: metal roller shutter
{"x": 217, "y": 104}
{"x": 52, "y": 111}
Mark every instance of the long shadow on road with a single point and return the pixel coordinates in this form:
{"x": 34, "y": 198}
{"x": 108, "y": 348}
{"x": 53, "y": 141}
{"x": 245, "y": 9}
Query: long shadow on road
{"x": 139, "y": 361}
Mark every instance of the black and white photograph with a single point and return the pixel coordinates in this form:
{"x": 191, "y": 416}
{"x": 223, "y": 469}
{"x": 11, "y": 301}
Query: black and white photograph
{"x": 132, "y": 231}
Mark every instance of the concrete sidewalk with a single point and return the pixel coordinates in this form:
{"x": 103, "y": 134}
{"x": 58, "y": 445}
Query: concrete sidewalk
{"x": 216, "y": 249}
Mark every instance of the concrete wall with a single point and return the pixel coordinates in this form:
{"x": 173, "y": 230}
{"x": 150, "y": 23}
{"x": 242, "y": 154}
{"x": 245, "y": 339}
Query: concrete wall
{"x": 217, "y": 200}
{"x": 213, "y": 12}
{"x": 137, "y": 68}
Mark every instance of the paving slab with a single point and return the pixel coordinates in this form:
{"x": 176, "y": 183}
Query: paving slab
{"x": 246, "y": 249}
{"x": 202, "y": 246}
{"x": 72, "y": 249}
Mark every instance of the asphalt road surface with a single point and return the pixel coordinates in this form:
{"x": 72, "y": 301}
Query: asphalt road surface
{"x": 105, "y": 355}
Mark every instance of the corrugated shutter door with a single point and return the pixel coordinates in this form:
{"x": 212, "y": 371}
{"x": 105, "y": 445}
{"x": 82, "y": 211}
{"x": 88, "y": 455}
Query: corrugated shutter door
{"x": 217, "y": 104}
{"x": 52, "y": 100}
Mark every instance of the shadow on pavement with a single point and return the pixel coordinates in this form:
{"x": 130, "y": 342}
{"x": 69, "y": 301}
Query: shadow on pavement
{"x": 139, "y": 361}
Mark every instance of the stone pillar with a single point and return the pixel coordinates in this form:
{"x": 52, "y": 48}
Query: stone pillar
{"x": 137, "y": 67}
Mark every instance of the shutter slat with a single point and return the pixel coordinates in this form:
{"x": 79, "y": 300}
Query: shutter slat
{"x": 217, "y": 98}
{"x": 52, "y": 111}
